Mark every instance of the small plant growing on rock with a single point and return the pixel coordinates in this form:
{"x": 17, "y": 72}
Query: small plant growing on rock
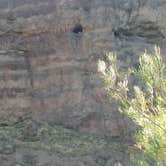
{"x": 144, "y": 102}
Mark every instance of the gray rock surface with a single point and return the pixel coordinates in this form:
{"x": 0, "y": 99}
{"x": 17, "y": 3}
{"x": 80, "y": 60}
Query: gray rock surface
{"x": 49, "y": 74}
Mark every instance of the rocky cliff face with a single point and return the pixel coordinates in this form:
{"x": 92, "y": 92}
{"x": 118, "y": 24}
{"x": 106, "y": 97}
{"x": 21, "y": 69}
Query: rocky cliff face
{"x": 48, "y": 62}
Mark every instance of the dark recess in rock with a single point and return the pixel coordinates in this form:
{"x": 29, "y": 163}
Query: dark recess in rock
{"x": 143, "y": 29}
{"x": 77, "y": 29}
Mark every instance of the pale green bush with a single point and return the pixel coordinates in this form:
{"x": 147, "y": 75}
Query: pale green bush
{"x": 145, "y": 102}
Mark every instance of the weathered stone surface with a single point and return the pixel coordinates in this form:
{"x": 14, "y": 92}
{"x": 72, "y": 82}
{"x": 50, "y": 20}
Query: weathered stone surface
{"x": 49, "y": 74}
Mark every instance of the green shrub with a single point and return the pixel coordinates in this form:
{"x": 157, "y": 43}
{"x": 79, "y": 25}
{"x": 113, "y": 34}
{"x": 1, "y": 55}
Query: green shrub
{"x": 144, "y": 102}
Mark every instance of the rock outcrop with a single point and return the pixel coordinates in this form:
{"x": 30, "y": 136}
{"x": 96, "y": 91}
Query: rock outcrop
{"x": 48, "y": 61}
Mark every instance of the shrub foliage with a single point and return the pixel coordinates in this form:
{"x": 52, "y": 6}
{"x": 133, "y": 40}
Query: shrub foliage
{"x": 144, "y": 101}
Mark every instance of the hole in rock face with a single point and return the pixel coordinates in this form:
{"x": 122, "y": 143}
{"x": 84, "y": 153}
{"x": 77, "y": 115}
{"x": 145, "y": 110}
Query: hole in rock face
{"x": 116, "y": 33}
{"x": 77, "y": 29}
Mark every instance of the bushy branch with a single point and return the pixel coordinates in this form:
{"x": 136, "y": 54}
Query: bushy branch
{"x": 145, "y": 104}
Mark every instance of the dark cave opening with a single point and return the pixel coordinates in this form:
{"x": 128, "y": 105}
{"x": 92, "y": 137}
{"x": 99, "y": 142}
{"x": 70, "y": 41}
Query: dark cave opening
{"x": 78, "y": 28}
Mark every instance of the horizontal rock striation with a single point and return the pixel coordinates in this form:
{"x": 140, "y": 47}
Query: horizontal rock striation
{"x": 48, "y": 67}
{"x": 14, "y": 86}
{"x": 53, "y": 69}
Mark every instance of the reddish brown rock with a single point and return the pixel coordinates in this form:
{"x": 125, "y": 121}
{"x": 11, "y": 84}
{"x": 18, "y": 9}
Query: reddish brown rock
{"x": 49, "y": 70}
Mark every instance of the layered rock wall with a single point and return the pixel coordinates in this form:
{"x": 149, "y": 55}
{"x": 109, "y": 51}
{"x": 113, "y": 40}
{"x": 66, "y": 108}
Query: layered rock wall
{"x": 48, "y": 72}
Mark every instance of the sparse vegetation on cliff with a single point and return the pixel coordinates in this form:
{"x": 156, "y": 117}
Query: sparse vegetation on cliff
{"x": 144, "y": 102}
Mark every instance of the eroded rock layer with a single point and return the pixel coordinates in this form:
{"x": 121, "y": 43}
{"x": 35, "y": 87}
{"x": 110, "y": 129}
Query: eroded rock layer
{"x": 48, "y": 59}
